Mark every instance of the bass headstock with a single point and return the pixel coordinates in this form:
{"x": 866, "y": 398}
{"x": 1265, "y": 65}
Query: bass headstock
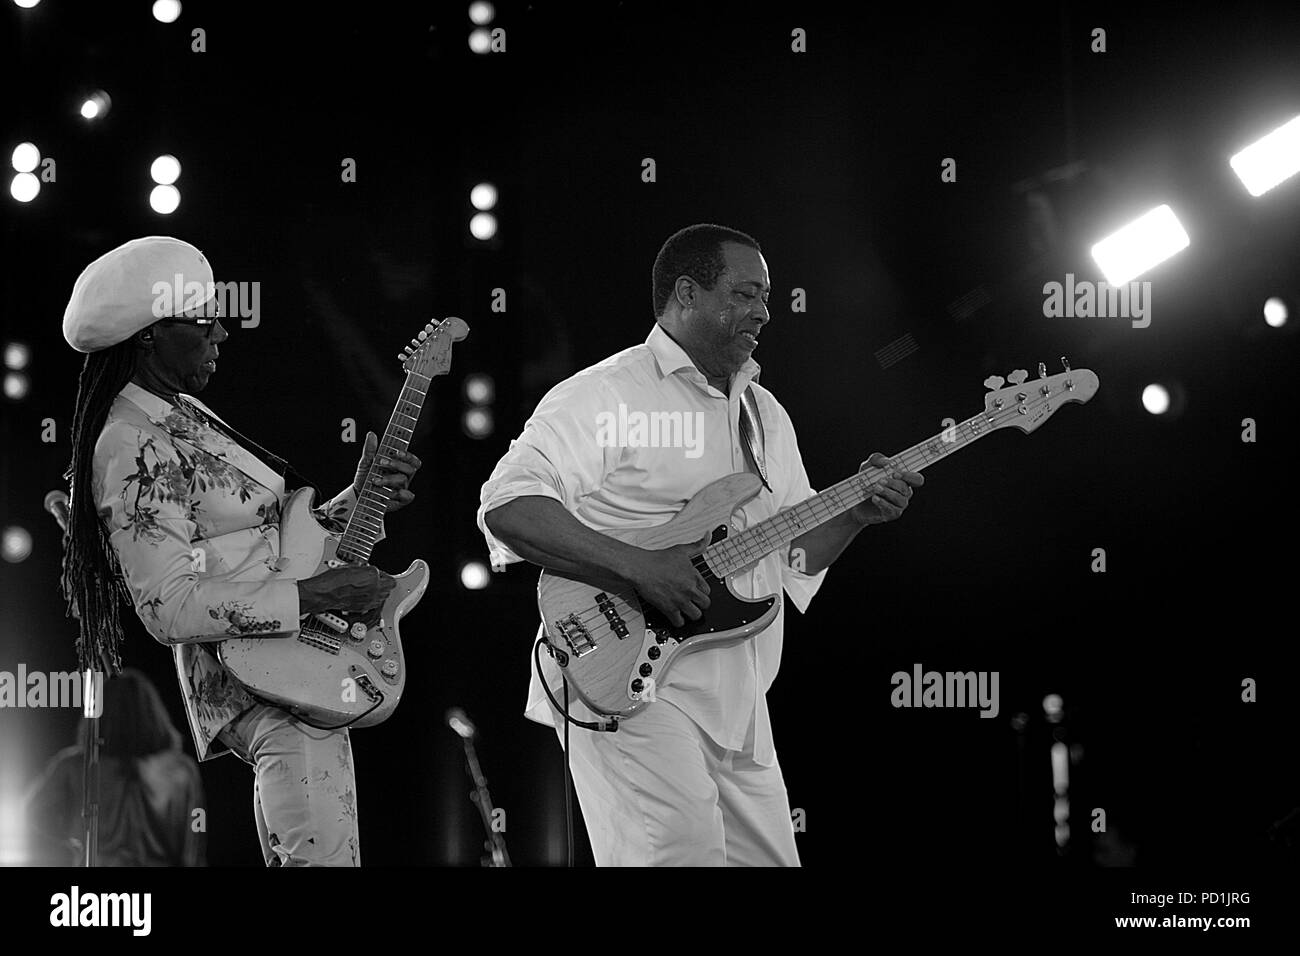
{"x": 1027, "y": 404}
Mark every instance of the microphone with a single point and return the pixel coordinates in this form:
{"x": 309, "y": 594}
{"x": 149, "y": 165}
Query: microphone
{"x": 56, "y": 503}
{"x": 459, "y": 721}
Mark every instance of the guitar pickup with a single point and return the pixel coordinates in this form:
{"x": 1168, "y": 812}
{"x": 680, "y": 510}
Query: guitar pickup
{"x": 576, "y": 635}
{"x": 606, "y": 605}
{"x": 333, "y": 622}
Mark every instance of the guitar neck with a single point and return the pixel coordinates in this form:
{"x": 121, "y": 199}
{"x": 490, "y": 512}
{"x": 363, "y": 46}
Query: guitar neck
{"x": 366, "y": 519}
{"x": 740, "y": 550}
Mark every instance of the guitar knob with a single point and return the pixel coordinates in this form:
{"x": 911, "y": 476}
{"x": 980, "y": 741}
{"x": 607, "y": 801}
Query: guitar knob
{"x": 390, "y": 668}
{"x": 653, "y": 653}
{"x": 1017, "y": 377}
{"x": 637, "y": 685}
{"x": 358, "y": 631}
{"x": 646, "y": 670}
{"x": 376, "y": 649}
{"x": 994, "y": 382}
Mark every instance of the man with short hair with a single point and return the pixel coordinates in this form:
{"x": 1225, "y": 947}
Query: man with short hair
{"x": 693, "y": 778}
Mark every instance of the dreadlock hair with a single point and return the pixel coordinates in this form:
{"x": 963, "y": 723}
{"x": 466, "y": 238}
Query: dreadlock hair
{"x": 92, "y": 577}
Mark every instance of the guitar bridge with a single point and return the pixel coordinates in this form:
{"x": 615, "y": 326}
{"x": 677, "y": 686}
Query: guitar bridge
{"x": 576, "y": 635}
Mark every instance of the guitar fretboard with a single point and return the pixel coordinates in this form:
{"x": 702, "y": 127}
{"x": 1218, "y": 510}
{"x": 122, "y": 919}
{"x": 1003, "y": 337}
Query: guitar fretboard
{"x": 364, "y": 524}
{"x": 744, "y": 548}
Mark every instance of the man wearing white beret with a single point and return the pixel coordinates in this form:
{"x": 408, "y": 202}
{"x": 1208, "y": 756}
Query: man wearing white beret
{"x": 170, "y": 511}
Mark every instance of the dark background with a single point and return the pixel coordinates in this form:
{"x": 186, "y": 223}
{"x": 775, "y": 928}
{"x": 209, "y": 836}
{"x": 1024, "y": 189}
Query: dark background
{"x": 832, "y": 160}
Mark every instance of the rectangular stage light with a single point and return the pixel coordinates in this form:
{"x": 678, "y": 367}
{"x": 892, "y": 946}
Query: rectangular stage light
{"x": 1140, "y": 246}
{"x": 1268, "y": 161}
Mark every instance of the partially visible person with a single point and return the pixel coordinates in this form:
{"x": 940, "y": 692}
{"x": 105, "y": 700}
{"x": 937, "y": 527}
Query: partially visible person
{"x": 149, "y": 789}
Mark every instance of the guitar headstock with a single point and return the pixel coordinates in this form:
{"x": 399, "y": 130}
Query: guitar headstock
{"x": 1027, "y": 404}
{"x": 429, "y": 354}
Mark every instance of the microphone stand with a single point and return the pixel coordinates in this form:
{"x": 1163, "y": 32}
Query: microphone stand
{"x": 495, "y": 841}
{"x": 92, "y": 706}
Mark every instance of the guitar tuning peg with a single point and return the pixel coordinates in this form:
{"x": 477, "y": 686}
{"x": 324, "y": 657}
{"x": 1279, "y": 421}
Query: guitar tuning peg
{"x": 402, "y": 356}
{"x": 1018, "y": 376}
{"x": 1065, "y": 363}
{"x": 994, "y": 382}
{"x": 424, "y": 334}
{"x": 1042, "y": 370}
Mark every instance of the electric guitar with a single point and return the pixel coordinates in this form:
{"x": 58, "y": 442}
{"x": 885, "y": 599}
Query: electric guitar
{"x": 613, "y": 649}
{"x": 346, "y": 669}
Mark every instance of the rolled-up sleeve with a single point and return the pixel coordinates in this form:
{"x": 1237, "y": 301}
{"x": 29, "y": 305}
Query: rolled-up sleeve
{"x": 143, "y": 497}
{"x": 558, "y": 455}
{"x": 801, "y": 588}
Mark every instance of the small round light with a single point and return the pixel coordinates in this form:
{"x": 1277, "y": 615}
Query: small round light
{"x": 479, "y": 389}
{"x": 481, "y": 13}
{"x": 480, "y": 41}
{"x": 165, "y": 170}
{"x": 24, "y": 187}
{"x": 477, "y": 422}
{"x": 1155, "y": 399}
{"x": 90, "y": 109}
{"x": 16, "y": 386}
{"x": 17, "y": 355}
{"x": 166, "y": 11}
{"x": 474, "y": 575}
{"x": 26, "y": 157}
{"x": 483, "y": 196}
{"x": 17, "y": 544}
{"x": 483, "y": 226}
{"x": 1275, "y": 313}
{"x": 164, "y": 199}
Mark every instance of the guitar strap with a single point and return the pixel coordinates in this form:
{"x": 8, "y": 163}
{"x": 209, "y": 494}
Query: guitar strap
{"x": 279, "y": 464}
{"x": 751, "y": 429}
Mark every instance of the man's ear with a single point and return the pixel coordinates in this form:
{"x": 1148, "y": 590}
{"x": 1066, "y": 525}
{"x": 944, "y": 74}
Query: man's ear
{"x": 684, "y": 289}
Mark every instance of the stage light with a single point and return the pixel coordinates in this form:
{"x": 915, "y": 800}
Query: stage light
{"x": 479, "y": 389}
{"x": 483, "y": 226}
{"x": 480, "y": 41}
{"x": 97, "y": 105}
{"x": 481, "y": 13}
{"x": 17, "y": 355}
{"x": 13, "y": 826}
{"x": 1140, "y": 246}
{"x": 1155, "y": 399}
{"x": 165, "y": 170}
{"x": 26, "y": 157}
{"x": 26, "y": 4}
{"x": 17, "y": 544}
{"x": 1270, "y": 160}
{"x": 166, "y": 11}
{"x": 483, "y": 196}
{"x": 477, "y": 422}
{"x": 164, "y": 199}
{"x": 24, "y": 187}
{"x": 474, "y": 575}
{"x": 1053, "y": 707}
{"x": 1275, "y": 313}
{"x": 16, "y": 386}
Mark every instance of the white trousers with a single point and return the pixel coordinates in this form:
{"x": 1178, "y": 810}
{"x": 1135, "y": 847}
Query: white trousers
{"x": 659, "y": 792}
{"x": 304, "y": 788}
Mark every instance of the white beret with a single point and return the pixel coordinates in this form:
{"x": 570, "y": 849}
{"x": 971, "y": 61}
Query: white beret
{"x": 132, "y": 287}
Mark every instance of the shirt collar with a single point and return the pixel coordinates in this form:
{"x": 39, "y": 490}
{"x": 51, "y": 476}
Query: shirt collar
{"x": 671, "y": 357}
{"x": 156, "y": 407}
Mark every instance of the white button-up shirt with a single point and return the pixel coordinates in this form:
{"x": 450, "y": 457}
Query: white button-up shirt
{"x": 583, "y": 447}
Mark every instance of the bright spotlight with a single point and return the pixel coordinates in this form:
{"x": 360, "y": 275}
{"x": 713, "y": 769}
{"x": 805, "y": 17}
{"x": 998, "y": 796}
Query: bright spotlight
{"x": 26, "y": 4}
{"x": 483, "y": 226}
{"x": 26, "y": 157}
{"x": 1268, "y": 161}
{"x": 483, "y": 196}
{"x": 17, "y": 544}
{"x": 477, "y": 422}
{"x": 165, "y": 170}
{"x": 164, "y": 199}
{"x": 16, "y": 386}
{"x": 480, "y": 41}
{"x": 479, "y": 389}
{"x": 1155, "y": 399}
{"x": 474, "y": 575}
{"x": 481, "y": 13}
{"x": 24, "y": 187}
{"x": 97, "y": 105}
{"x": 166, "y": 11}
{"x": 1140, "y": 246}
{"x": 1275, "y": 313}
{"x": 17, "y": 355}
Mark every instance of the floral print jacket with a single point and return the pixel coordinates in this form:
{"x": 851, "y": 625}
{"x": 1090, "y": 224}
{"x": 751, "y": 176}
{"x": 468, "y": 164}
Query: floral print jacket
{"x": 194, "y": 519}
